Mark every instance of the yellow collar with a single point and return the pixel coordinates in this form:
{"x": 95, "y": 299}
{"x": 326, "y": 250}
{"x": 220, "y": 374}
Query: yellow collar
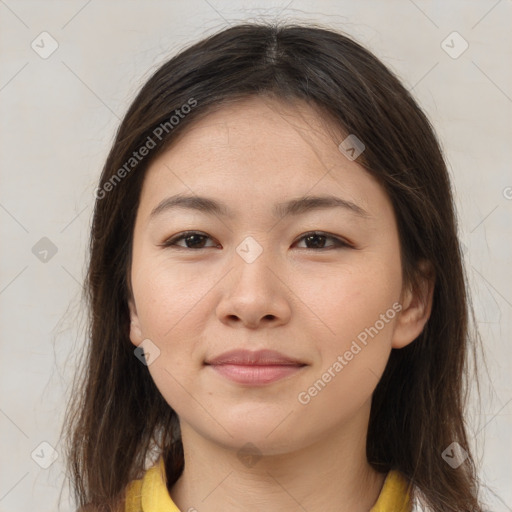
{"x": 150, "y": 494}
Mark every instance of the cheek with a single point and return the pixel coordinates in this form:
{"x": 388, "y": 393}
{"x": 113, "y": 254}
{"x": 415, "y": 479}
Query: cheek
{"x": 349, "y": 299}
{"x": 167, "y": 300}
{"x": 358, "y": 317}
{"x": 172, "y": 312}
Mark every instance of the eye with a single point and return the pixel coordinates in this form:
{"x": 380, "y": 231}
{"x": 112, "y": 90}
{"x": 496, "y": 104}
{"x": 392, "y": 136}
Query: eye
{"x": 196, "y": 240}
{"x": 192, "y": 239}
{"x": 317, "y": 240}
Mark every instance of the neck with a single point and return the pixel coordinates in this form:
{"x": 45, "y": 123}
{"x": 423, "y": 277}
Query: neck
{"x": 330, "y": 474}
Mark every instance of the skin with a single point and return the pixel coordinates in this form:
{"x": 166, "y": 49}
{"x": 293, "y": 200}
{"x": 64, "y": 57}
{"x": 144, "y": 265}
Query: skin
{"x": 308, "y": 303}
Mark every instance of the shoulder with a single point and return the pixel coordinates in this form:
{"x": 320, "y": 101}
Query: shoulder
{"x": 131, "y": 500}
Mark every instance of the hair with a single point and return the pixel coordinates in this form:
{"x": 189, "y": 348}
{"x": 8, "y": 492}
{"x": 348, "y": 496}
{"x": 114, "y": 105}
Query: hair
{"x": 117, "y": 416}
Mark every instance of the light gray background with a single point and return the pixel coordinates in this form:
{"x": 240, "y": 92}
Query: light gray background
{"x": 58, "y": 118}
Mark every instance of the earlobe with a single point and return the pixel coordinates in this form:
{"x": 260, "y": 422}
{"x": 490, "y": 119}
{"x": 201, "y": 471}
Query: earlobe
{"x": 136, "y": 336}
{"x": 416, "y": 308}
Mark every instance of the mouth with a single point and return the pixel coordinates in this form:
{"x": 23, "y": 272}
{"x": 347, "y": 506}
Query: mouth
{"x": 255, "y": 368}
{"x": 256, "y": 374}
{"x": 259, "y": 357}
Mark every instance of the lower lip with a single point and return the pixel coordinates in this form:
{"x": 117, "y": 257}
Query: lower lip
{"x": 255, "y": 375}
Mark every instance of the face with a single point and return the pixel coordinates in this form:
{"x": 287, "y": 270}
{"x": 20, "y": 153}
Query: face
{"x": 318, "y": 282}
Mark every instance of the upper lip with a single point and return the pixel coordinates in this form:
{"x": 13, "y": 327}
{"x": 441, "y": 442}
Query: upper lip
{"x": 256, "y": 358}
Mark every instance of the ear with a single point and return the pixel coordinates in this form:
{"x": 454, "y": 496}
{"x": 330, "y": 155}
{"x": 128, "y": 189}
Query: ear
{"x": 136, "y": 336}
{"x": 416, "y": 307}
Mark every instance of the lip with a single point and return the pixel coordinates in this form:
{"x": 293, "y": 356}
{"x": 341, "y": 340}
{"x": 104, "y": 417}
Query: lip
{"x": 256, "y": 375}
{"x": 255, "y": 368}
{"x": 258, "y": 357}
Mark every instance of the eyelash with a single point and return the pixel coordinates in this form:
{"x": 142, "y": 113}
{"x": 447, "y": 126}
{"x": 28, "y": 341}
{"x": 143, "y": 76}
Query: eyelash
{"x": 340, "y": 244}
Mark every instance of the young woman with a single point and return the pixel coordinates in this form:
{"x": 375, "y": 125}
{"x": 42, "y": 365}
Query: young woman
{"x": 278, "y": 305}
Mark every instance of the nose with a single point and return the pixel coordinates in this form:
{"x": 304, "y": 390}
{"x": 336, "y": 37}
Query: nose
{"x": 255, "y": 295}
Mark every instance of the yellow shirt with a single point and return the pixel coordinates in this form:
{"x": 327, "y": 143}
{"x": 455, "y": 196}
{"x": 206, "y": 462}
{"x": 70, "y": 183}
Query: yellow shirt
{"x": 150, "y": 494}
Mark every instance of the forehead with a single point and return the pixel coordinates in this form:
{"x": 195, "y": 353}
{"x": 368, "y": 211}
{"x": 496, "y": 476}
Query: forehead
{"x": 259, "y": 150}
{"x": 259, "y": 123}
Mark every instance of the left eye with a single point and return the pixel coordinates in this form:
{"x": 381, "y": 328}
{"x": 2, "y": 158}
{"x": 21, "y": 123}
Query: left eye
{"x": 319, "y": 238}
{"x": 196, "y": 239}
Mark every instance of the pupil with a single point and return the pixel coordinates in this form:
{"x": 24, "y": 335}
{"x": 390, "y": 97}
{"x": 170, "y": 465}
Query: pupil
{"x": 197, "y": 238}
{"x": 310, "y": 237}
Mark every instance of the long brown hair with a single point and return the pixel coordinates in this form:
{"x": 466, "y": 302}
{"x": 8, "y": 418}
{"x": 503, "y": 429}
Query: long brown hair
{"x": 118, "y": 417}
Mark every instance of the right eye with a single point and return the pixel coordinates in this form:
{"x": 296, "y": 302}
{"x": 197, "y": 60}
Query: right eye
{"x": 192, "y": 240}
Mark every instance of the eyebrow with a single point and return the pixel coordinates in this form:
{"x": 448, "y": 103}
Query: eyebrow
{"x": 293, "y": 207}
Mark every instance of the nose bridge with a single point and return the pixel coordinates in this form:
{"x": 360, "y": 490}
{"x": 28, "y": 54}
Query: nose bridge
{"x": 253, "y": 293}
{"x": 254, "y": 260}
